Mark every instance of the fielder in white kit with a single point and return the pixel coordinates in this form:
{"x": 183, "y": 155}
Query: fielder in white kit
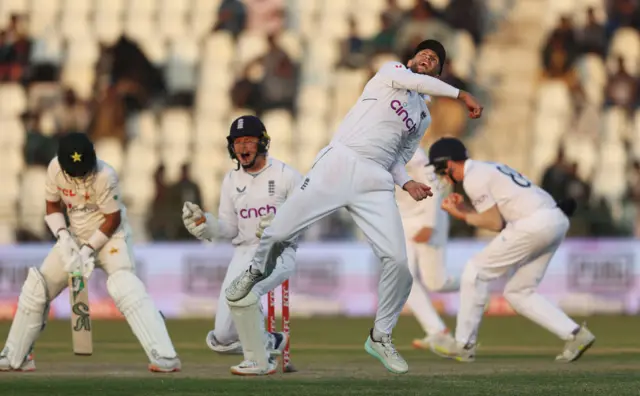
{"x": 250, "y": 196}
{"x": 532, "y": 226}
{"x": 98, "y": 235}
{"x": 357, "y": 171}
{"x": 426, "y": 228}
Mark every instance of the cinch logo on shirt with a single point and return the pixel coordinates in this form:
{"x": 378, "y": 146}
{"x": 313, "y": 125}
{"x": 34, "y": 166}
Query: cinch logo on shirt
{"x": 397, "y": 106}
{"x": 257, "y": 212}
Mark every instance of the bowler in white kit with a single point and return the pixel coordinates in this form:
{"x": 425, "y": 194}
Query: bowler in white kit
{"x": 357, "y": 171}
{"x": 250, "y": 195}
{"x": 426, "y": 228}
{"x": 531, "y": 227}
{"x": 99, "y": 235}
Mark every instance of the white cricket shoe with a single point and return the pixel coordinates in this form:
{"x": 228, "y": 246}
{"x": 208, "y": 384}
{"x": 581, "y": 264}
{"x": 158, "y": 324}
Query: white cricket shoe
{"x": 29, "y": 364}
{"x": 447, "y": 347}
{"x": 420, "y": 343}
{"x": 442, "y": 344}
{"x": 242, "y": 285}
{"x": 465, "y": 353}
{"x": 575, "y": 347}
{"x": 386, "y": 353}
{"x": 276, "y": 342}
{"x": 250, "y": 368}
{"x": 165, "y": 365}
{"x": 234, "y": 348}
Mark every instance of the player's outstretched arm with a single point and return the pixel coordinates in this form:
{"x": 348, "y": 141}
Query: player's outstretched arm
{"x": 397, "y": 76}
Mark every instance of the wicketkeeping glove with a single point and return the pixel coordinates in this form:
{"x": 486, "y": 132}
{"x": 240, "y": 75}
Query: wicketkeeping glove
{"x": 265, "y": 221}
{"x": 200, "y": 224}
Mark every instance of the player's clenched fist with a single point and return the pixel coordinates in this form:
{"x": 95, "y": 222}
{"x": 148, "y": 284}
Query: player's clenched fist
{"x": 474, "y": 107}
{"x": 417, "y": 190}
{"x": 452, "y": 204}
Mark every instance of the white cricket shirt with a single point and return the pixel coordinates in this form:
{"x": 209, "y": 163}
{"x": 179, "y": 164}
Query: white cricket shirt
{"x": 245, "y": 197}
{"x": 426, "y": 213}
{"x": 390, "y": 117}
{"x": 87, "y": 201}
{"x": 492, "y": 183}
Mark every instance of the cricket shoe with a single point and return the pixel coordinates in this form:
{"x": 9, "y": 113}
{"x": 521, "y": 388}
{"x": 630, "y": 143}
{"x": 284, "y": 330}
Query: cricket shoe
{"x": 242, "y": 285}
{"x": 29, "y": 364}
{"x": 442, "y": 344}
{"x": 234, "y": 348}
{"x": 424, "y": 343}
{"x": 386, "y": 353}
{"x": 577, "y": 345}
{"x": 420, "y": 343}
{"x": 276, "y": 343}
{"x": 165, "y": 365}
{"x": 251, "y": 368}
{"x": 465, "y": 353}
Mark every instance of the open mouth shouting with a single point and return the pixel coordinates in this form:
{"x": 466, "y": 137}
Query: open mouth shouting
{"x": 245, "y": 157}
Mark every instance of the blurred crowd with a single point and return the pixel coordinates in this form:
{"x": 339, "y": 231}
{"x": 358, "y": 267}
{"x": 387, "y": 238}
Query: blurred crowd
{"x": 127, "y": 81}
{"x": 568, "y": 48}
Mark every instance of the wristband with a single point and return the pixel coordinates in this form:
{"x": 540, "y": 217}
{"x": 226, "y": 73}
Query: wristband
{"x": 97, "y": 240}
{"x": 56, "y": 222}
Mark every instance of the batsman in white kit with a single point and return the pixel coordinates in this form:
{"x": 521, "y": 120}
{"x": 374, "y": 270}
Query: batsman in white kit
{"x": 250, "y": 197}
{"x": 426, "y": 228}
{"x": 98, "y": 235}
{"x": 531, "y": 227}
{"x": 357, "y": 171}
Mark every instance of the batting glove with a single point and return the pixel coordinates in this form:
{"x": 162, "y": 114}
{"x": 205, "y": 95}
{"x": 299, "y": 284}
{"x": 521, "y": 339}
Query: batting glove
{"x": 265, "y": 221}
{"x": 67, "y": 246}
{"x": 83, "y": 261}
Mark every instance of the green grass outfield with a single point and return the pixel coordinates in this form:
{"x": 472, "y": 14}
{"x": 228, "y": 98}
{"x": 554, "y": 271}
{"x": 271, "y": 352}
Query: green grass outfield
{"x": 515, "y": 358}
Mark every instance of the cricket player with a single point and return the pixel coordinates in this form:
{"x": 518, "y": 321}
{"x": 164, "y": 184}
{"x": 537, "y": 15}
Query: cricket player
{"x": 253, "y": 191}
{"x": 98, "y": 234}
{"x": 531, "y": 225}
{"x": 357, "y": 171}
{"x": 426, "y": 228}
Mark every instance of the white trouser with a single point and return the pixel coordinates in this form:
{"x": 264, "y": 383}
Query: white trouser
{"x": 427, "y": 265}
{"x": 225, "y": 331}
{"x": 340, "y": 178}
{"x": 523, "y": 249}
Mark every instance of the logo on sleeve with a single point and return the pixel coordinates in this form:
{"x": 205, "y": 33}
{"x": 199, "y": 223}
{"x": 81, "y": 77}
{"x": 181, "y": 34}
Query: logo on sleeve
{"x": 480, "y": 200}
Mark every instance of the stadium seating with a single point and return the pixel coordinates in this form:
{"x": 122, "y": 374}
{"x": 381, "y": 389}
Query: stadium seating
{"x": 177, "y": 37}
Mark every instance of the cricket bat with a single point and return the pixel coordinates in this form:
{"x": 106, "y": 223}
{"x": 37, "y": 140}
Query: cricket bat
{"x": 80, "y": 317}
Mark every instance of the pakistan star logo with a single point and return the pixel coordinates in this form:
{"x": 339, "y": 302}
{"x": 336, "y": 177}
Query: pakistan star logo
{"x": 76, "y": 157}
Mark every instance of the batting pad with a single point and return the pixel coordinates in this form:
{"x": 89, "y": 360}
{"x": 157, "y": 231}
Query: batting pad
{"x": 131, "y": 298}
{"x": 30, "y": 318}
{"x": 249, "y": 320}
